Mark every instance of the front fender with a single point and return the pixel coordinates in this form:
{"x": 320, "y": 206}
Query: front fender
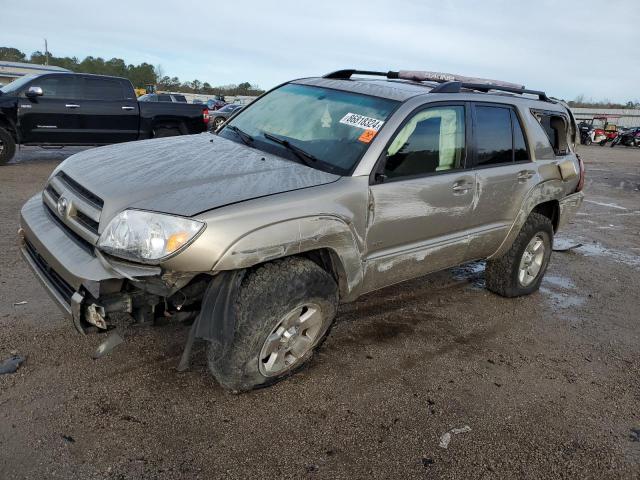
{"x": 296, "y": 236}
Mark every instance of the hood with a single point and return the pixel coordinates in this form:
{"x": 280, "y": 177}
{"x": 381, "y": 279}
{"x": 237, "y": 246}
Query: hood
{"x": 185, "y": 175}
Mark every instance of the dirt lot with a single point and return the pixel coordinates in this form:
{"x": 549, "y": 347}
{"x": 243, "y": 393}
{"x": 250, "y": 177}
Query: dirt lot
{"x": 549, "y": 384}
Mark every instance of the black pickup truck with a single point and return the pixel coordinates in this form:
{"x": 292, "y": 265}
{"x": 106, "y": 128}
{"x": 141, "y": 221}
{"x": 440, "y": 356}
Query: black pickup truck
{"x": 79, "y": 109}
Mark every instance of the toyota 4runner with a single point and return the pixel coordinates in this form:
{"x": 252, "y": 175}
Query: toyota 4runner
{"x": 318, "y": 192}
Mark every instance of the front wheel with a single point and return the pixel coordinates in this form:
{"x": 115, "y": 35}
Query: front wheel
{"x": 282, "y": 313}
{"x": 7, "y": 146}
{"x": 520, "y": 270}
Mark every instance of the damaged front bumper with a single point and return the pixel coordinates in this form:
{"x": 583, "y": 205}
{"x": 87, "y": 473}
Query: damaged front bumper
{"x": 82, "y": 282}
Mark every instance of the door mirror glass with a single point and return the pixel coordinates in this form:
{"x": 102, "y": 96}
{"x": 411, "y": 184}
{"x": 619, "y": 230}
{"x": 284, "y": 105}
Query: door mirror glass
{"x": 33, "y": 92}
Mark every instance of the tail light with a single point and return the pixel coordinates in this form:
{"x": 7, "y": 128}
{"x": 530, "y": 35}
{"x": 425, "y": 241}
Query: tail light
{"x": 580, "y": 185}
{"x": 205, "y": 115}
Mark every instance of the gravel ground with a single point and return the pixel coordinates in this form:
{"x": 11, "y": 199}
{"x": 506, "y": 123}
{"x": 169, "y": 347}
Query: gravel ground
{"x": 548, "y": 384}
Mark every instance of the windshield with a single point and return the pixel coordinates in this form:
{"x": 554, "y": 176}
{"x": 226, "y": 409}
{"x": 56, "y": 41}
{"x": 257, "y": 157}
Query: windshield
{"x": 331, "y": 126}
{"x": 17, "y": 84}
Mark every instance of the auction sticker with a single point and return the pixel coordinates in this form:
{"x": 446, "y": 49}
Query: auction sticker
{"x": 367, "y": 136}
{"x": 360, "y": 121}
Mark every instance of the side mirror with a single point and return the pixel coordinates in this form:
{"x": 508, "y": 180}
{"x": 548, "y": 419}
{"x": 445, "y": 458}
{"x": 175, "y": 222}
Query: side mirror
{"x": 34, "y": 92}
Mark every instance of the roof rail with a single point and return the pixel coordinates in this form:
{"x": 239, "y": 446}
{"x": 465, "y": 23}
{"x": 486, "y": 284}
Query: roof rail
{"x": 456, "y": 87}
{"x": 346, "y": 74}
{"x": 449, "y": 83}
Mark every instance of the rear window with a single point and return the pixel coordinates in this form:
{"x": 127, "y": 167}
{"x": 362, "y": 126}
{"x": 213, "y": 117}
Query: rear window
{"x": 555, "y": 127}
{"x": 493, "y": 135}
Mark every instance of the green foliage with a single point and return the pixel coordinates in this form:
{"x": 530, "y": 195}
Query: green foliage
{"x": 139, "y": 75}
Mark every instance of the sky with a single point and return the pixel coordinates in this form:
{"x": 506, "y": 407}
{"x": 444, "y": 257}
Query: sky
{"x": 564, "y": 47}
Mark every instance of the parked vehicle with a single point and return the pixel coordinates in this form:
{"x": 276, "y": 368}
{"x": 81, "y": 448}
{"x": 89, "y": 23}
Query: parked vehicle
{"x": 598, "y": 130}
{"x": 163, "y": 97}
{"x": 77, "y": 109}
{"x": 629, "y": 138}
{"x": 320, "y": 191}
{"x": 221, "y": 116}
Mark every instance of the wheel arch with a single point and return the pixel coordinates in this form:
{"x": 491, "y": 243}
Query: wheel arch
{"x": 326, "y": 240}
{"x": 544, "y": 199}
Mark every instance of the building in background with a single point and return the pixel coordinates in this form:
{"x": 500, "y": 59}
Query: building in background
{"x": 9, "y": 71}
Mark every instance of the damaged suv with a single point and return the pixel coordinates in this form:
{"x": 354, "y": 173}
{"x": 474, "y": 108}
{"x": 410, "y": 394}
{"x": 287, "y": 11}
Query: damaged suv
{"x": 320, "y": 191}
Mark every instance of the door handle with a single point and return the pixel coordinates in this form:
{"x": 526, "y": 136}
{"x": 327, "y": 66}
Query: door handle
{"x": 461, "y": 187}
{"x": 128, "y": 108}
{"x": 525, "y": 175}
{"x": 72, "y": 105}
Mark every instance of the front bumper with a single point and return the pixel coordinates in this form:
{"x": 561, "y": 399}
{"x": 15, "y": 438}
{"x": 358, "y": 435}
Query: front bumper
{"x": 70, "y": 270}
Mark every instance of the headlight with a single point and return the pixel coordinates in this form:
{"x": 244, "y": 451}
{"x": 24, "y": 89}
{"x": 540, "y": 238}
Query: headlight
{"x": 147, "y": 237}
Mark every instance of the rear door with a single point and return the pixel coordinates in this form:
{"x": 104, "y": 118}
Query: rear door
{"x": 504, "y": 174}
{"x": 421, "y": 198}
{"x": 53, "y": 117}
{"x": 108, "y": 111}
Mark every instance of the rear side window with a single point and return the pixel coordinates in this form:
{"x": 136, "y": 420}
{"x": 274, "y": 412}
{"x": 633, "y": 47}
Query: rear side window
{"x": 432, "y": 141}
{"x": 520, "y": 153}
{"x": 164, "y": 98}
{"x": 102, "y": 89}
{"x": 493, "y": 135}
{"x": 180, "y": 98}
{"x": 555, "y": 127}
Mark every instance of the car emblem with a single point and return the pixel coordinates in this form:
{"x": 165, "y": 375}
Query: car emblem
{"x": 62, "y": 206}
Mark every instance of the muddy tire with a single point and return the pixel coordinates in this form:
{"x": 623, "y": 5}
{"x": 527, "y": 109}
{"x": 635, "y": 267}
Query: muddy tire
{"x": 7, "y": 146}
{"x": 521, "y": 269}
{"x": 283, "y": 312}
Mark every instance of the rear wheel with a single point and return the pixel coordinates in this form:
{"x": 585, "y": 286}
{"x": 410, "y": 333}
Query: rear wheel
{"x": 7, "y": 146}
{"x": 520, "y": 270}
{"x": 283, "y": 312}
{"x": 162, "y": 132}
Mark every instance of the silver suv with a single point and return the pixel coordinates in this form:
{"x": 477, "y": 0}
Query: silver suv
{"x": 318, "y": 192}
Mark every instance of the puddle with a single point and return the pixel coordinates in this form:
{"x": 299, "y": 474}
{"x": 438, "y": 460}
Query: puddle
{"x": 472, "y": 272}
{"x": 561, "y": 299}
{"x": 559, "y": 281}
{"x": 596, "y": 250}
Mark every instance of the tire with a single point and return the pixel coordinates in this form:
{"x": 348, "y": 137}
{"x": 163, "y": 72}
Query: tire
{"x": 266, "y": 297}
{"x": 588, "y": 141}
{"x": 217, "y": 122}
{"x": 162, "y": 132}
{"x": 503, "y": 275}
{"x": 7, "y": 146}
{"x": 603, "y": 143}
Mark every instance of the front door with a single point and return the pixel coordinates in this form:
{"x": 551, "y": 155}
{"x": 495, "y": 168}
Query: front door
{"x": 53, "y": 117}
{"x": 419, "y": 207}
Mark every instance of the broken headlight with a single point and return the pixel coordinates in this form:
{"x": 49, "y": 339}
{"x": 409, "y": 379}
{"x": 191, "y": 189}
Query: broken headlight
{"x": 146, "y": 236}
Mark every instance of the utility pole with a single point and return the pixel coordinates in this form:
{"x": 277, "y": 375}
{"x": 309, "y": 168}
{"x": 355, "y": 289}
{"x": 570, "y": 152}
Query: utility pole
{"x": 46, "y": 52}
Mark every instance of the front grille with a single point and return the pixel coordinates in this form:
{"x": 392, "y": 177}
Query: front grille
{"x": 79, "y": 189}
{"x": 86, "y": 245}
{"x": 65, "y": 290}
{"x": 75, "y": 208}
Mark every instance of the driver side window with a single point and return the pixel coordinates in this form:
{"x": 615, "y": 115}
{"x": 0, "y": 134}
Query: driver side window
{"x": 432, "y": 141}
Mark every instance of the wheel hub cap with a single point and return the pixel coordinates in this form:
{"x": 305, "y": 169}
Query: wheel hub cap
{"x": 531, "y": 262}
{"x": 292, "y": 339}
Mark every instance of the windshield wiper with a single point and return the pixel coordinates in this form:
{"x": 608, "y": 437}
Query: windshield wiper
{"x": 306, "y": 158}
{"x": 244, "y": 136}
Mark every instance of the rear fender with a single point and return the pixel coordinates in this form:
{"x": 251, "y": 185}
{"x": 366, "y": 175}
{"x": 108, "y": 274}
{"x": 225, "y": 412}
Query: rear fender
{"x": 543, "y": 192}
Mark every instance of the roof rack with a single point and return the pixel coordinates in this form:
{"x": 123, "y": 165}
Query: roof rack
{"x": 449, "y": 83}
{"x": 456, "y": 87}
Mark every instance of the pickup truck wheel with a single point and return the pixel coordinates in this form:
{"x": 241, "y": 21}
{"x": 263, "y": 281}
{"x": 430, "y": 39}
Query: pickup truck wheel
{"x": 162, "y": 132}
{"x": 7, "y": 146}
{"x": 520, "y": 270}
{"x": 283, "y": 312}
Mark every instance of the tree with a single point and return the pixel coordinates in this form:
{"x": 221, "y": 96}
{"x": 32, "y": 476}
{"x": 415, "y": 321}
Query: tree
{"x": 10, "y": 54}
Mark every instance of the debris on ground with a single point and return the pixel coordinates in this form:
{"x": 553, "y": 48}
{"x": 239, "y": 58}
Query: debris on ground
{"x": 445, "y": 439}
{"x": 68, "y": 438}
{"x": 106, "y": 347}
{"x": 563, "y": 245}
{"x": 635, "y": 435}
{"x": 11, "y": 364}
{"x": 20, "y": 303}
